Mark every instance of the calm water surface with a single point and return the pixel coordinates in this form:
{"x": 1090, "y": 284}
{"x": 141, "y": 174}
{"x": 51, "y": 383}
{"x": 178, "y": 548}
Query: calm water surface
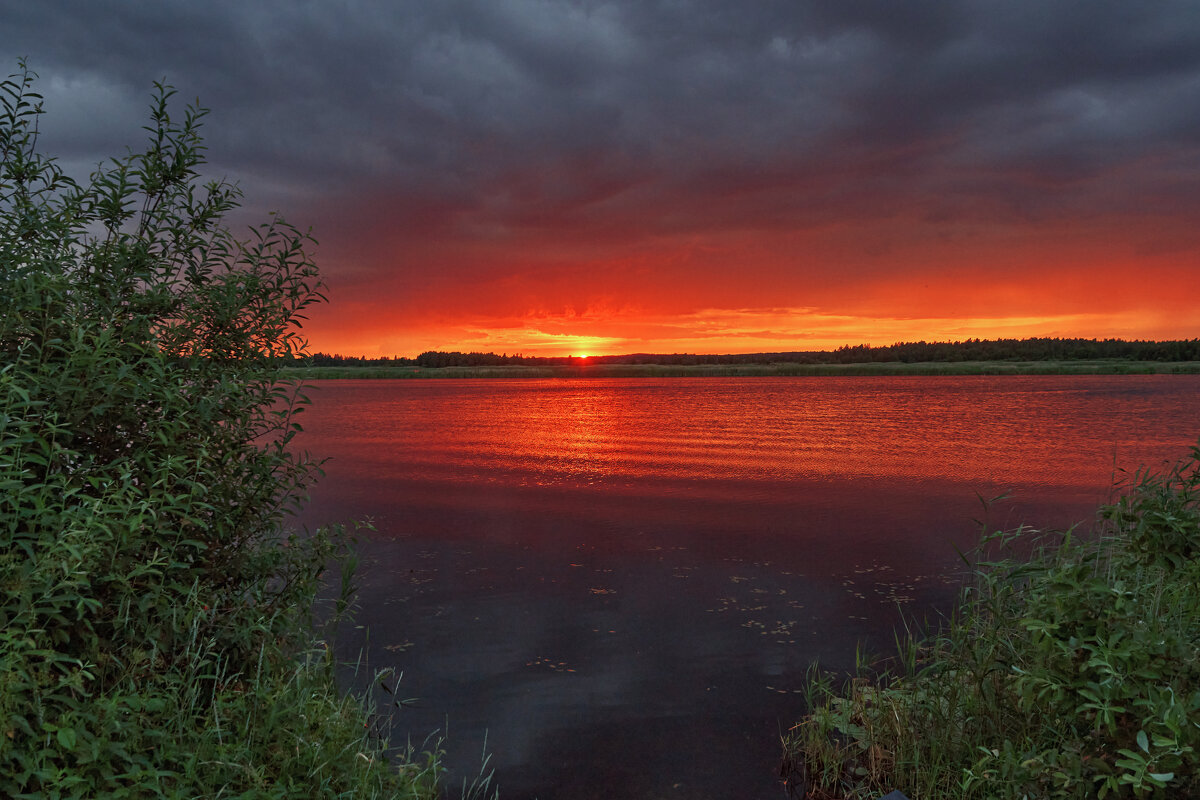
{"x": 621, "y": 582}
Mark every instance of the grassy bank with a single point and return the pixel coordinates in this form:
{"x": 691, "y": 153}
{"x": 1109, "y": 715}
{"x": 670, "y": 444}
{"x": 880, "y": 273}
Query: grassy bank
{"x": 1073, "y": 672}
{"x": 1091, "y": 367}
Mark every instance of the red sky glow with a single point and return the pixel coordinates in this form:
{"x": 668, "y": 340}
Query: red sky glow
{"x": 554, "y": 178}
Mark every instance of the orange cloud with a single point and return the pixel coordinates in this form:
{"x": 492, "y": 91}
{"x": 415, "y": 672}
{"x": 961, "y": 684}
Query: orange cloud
{"x": 575, "y": 280}
{"x": 761, "y": 330}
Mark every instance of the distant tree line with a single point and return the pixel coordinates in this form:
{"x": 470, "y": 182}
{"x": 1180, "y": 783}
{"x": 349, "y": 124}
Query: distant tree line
{"x": 339, "y": 360}
{"x": 1038, "y": 349}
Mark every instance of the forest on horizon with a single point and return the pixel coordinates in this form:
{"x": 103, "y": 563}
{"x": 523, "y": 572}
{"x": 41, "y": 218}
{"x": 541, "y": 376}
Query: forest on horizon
{"x": 1034, "y": 349}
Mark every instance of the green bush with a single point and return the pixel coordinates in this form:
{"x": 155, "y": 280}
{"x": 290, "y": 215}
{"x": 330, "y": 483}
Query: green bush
{"x": 155, "y": 628}
{"x": 1073, "y": 672}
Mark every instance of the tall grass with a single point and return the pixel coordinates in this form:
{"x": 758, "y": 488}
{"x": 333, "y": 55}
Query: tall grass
{"x": 1070, "y": 669}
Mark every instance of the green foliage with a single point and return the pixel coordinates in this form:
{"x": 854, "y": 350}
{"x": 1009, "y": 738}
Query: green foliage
{"x": 155, "y": 637}
{"x": 1073, "y": 672}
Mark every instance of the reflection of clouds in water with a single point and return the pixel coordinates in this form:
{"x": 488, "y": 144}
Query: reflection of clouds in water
{"x": 685, "y": 564}
{"x": 627, "y": 433}
{"x": 547, "y": 663}
{"x": 589, "y": 646}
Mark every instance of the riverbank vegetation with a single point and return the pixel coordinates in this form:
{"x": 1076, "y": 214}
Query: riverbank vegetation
{"x": 600, "y": 370}
{"x": 1071, "y": 669}
{"x": 155, "y": 615}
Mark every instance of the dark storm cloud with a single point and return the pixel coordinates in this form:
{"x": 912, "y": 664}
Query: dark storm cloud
{"x": 518, "y": 113}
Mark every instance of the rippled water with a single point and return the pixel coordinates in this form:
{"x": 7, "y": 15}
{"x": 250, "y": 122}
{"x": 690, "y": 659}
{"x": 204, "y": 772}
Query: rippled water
{"x": 623, "y": 581}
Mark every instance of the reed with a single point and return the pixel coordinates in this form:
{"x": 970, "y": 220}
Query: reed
{"x": 1070, "y": 669}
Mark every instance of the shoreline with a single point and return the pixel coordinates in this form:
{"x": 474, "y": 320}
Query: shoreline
{"x": 786, "y": 369}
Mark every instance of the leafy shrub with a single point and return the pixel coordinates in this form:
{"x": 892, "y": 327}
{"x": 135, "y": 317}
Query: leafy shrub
{"x": 1070, "y": 673}
{"x": 155, "y": 635}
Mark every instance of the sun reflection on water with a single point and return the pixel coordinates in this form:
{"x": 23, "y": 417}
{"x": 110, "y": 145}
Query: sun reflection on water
{"x": 628, "y": 565}
{"x": 621, "y": 434}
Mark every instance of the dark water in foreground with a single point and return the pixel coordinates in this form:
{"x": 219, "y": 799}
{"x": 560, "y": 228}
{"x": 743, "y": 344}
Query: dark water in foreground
{"x": 621, "y": 583}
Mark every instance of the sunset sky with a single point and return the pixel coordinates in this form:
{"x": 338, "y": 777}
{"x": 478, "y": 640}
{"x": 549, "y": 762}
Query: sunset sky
{"x": 559, "y": 178}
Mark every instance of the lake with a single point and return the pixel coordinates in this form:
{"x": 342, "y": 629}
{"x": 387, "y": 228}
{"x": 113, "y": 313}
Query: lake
{"x": 619, "y": 584}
